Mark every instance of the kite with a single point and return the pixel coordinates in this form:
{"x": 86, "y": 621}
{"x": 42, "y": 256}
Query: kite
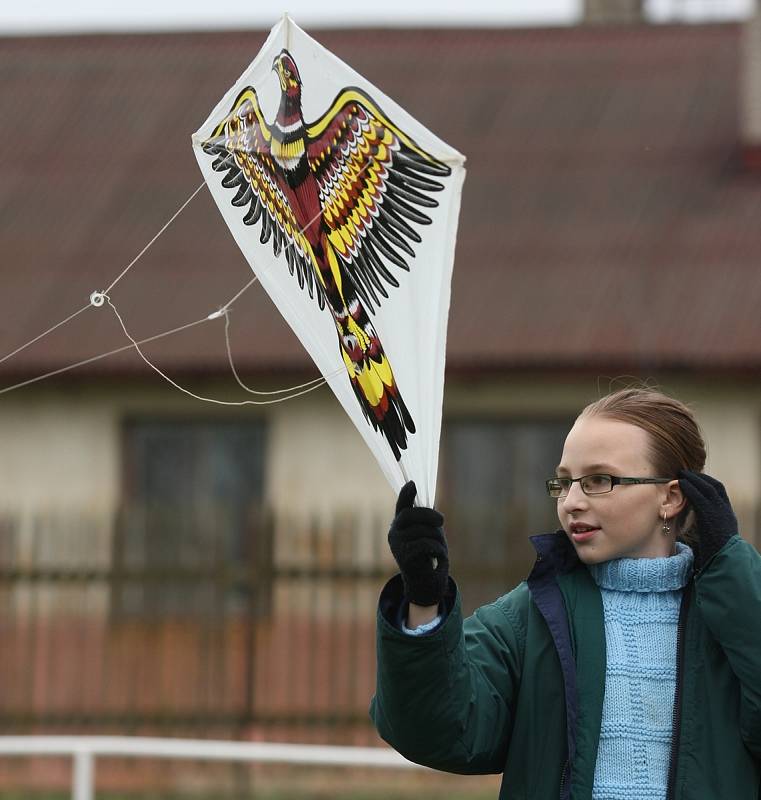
{"x": 346, "y": 209}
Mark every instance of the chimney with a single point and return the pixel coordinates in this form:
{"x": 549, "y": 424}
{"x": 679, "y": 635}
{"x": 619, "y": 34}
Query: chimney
{"x": 613, "y": 12}
{"x": 750, "y": 90}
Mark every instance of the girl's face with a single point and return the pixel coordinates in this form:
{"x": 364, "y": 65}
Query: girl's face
{"x": 627, "y": 521}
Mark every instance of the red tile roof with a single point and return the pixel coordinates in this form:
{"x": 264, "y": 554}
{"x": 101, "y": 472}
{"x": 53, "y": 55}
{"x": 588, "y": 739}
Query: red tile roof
{"x": 606, "y": 220}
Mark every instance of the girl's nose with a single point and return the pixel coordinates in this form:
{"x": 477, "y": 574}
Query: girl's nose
{"x": 575, "y": 499}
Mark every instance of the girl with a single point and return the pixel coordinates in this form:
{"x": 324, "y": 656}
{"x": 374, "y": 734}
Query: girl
{"x": 626, "y": 667}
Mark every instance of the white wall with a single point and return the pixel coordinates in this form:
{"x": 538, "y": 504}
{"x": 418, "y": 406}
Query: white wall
{"x": 60, "y": 449}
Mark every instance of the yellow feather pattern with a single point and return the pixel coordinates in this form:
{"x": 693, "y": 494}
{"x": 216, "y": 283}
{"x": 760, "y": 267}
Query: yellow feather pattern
{"x": 337, "y": 242}
{"x": 384, "y": 371}
{"x": 347, "y": 233}
{"x": 362, "y": 337}
{"x": 378, "y": 120}
{"x": 372, "y": 386}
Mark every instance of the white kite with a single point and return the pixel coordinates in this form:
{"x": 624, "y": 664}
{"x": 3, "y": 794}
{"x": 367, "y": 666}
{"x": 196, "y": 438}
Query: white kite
{"x": 346, "y": 209}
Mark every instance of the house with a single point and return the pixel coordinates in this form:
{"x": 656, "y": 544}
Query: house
{"x": 609, "y": 231}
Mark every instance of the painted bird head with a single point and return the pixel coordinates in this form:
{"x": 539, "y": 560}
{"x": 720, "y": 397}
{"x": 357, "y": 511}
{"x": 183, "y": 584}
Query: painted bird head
{"x": 287, "y": 72}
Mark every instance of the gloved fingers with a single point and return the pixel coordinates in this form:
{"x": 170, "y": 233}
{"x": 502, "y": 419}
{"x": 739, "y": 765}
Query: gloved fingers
{"x": 697, "y": 490}
{"x": 425, "y": 517}
{"x": 717, "y": 485}
{"x": 406, "y": 496}
{"x": 405, "y": 547}
{"x": 425, "y": 561}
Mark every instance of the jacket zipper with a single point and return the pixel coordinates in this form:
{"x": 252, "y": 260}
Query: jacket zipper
{"x": 564, "y": 777}
{"x": 677, "y": 713}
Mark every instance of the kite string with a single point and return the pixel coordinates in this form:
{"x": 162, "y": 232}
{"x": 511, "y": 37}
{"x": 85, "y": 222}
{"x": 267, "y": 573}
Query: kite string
{"x": 200, "y": 397}
{"x": 98, "y": 357}
{"x": 227, "y": 305}
{"x": 49, "y": 330}
{"x": 312, "y": 383}
{"x": 140, "y": 254}
{"x": 225, "y": 311}
{"x": 130, "y": 346}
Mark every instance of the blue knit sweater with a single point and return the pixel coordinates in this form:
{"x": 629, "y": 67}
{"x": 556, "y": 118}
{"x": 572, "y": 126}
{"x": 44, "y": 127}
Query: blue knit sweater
{"x": 641, "y": 599}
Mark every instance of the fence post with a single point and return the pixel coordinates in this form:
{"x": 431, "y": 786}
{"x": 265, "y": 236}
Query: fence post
{"x": 83, "y": 776}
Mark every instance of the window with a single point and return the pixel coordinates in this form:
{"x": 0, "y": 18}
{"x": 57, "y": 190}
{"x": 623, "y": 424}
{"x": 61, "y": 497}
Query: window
{"x": 187, "y": 538}
{"x": 493, "y": 497}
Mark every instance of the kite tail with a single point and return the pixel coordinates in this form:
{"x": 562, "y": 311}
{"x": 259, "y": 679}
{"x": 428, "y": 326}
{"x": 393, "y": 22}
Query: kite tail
{"x": 372, "y": 378}
{"x": 370, "y": 373}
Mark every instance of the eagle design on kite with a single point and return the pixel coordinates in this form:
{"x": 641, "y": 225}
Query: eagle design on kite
{"x": 336, "y": 197}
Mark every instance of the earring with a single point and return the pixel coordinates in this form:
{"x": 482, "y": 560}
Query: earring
{"x": 666, "y": 527}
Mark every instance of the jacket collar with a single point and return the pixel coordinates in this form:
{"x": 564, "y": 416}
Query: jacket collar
{"x": 555, "y": 551}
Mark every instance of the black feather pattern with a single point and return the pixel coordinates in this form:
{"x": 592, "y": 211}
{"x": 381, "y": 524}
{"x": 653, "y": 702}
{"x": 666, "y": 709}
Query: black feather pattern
{"x": 392, "y": 201}
{"x": 413, "y": 162}
{"x": 234, "y": 178}
{"x": 253, "y": 213}
{"x": 266, "y": 232}
{"x": 390, "y": 231}
{"x": 397, "y": 222}
{"x": 377, "y": 263}
{"x": 244, "y": 195}
{"x": 381, "y": 244}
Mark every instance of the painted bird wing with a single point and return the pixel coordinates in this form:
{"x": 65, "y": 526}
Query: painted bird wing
{"x": 241, "y": 144}
{"x": 373, "y": 180}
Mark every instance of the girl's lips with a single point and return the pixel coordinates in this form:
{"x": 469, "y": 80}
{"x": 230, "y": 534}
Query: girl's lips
{"x": 585, "y": 536}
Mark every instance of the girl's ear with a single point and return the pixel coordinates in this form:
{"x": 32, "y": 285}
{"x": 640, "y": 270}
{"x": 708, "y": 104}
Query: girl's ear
{"x": 674, "y": 500}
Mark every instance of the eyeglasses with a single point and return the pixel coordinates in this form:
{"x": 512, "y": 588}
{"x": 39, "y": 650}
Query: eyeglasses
{"x": 594, "y": 484}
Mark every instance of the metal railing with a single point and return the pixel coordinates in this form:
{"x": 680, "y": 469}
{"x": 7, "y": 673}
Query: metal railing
{"x": 85, "y": 749}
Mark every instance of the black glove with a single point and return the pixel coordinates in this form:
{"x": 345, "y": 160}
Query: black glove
{"x": 417, "y": 540}
{"x": 716, "y": 521}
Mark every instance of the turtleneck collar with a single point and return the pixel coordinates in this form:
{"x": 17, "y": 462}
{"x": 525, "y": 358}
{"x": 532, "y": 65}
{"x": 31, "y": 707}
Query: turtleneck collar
{"x": 645, "y": 574}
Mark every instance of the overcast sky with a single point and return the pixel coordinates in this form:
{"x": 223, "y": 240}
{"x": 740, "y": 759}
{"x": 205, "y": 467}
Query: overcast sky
{"x": 71, "y": 16}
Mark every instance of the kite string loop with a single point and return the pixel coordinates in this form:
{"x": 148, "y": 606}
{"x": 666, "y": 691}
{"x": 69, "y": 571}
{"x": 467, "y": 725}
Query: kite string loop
{"x": 224, "y": 311}
{"x": 316, "y": 385}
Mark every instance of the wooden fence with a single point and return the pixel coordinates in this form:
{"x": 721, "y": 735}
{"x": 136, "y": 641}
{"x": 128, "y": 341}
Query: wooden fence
{"x": 271, "y": 637}
{"x": 276, "y": 641}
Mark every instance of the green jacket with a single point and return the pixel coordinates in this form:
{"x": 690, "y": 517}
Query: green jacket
{"x": 518, "y": 687}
